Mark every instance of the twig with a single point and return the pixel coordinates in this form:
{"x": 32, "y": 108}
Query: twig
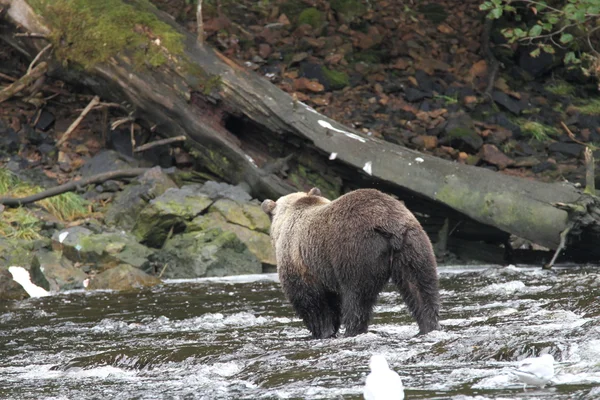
{"x": 590, "y": 184}
{"x": 7, "y": 77}
{"x": 73, "y": 185}
{"x": 36, "y": 59}
{"x": 200, "y": 23}
{"x": 160, "y": 142}
{"x": 561, "y": 246}
{"x": 31, "y": 35}
{"x": 23, "y": 82}
{"x": 162, "y": 271}
{"x": 132, "y": 134}
{"x": 76, "y": 123}
{"x": 121, "y": 121}
{"x": 572, "y": 137}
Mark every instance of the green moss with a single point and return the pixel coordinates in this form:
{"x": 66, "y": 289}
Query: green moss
{"x": 312, "y": 17}
{"x": 369, "y": 56}
{"x": 303, "y": 177}
{"x": 460, "y": 133}
{"x": 19, "y": 223}
{"x": 88, "y": 32}
{"x": 592, "y": 107}
{"x": 348, "y": 9}
{"x": 447, "y": 99}
{"x": 561, "y": 88}
{"x": 292, "y": 9}
{"x": 434, "y": 12}
{"x": 336, "y": 79}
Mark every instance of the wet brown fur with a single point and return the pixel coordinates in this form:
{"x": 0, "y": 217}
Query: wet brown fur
{"x": 334, "y": 257}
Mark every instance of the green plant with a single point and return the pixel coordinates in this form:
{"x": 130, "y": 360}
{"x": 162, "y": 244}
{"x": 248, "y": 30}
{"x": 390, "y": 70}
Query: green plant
{"x": 66, "y": 206}
{"x": 561, "y": 88}
{"x": 537, "y": 130}
{"x": 336, "y": 79}
{"x": 568, "y": 25}
{"x": 592, "y": 107}
{"x": 19, "y": 223}
{"x": 447, "y": 99}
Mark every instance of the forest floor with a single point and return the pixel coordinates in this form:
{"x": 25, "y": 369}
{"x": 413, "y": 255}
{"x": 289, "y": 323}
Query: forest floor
{"x": 411, "y": 74}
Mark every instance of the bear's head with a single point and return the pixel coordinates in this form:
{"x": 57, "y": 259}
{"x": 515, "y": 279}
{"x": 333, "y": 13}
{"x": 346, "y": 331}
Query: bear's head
{"x": 284, "y": 203}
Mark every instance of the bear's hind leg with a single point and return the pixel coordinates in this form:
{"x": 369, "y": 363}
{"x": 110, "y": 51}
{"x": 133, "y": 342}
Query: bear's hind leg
{"x": 357, "y": 308}
{"x": 316, "y": 307}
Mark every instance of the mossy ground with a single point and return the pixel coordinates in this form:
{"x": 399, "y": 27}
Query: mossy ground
{"x": 537, "y": 130}
{"x": 88, "y": 32}
{"x": 336, "y": 79}
{"x": 591, "y": 107}
{"x": 20, "y": 222}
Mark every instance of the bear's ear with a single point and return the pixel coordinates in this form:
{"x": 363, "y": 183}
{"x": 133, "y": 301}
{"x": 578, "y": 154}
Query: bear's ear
{"x": 314, "y": 192}
{"x": 268, "y": 206}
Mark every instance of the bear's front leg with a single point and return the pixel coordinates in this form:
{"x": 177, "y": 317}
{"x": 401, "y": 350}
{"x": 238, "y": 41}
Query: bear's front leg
{"x": 318, "y": 308}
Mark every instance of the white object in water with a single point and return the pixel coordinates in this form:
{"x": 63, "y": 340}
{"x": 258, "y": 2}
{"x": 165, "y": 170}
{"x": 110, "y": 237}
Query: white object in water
{"x": 21, "y": 276}
{"x": 368, "y": 168}
{"x": 382, "y": 383}
{"x": 536, "y": 371}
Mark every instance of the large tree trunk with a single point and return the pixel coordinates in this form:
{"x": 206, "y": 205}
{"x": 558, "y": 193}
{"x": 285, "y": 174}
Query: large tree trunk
{"x": 246, "y": 123}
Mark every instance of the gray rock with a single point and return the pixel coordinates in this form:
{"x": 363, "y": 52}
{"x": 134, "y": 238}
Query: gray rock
{"x": 170, "y": 211}
{"x": 9, "y": 289}
{"x": 569, "y": 149}
{"x": 207, "y": 253}
{"x": 54, "y": 272}
{"x": 126, "y": 207}
{"x": 216, "y": 190}
{"x": 106, "y": 161}
{"x": 100, "y": 249}
{"x": 123, "y": 277}
{"x": 511, "y": 104}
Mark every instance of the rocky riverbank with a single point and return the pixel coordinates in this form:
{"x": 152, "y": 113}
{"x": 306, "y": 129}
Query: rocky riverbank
{"x": 152, "y": 229}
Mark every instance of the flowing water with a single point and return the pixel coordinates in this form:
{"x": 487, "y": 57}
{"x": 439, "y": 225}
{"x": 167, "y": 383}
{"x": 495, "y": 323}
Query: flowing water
{"x": 237, "y": 338}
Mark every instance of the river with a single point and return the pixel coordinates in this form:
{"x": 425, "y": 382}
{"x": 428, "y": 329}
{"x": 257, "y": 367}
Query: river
{"x": 237, "y": 338}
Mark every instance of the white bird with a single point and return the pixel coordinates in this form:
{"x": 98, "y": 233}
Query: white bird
{"x": 21, "y": 276}
{"x": 536, "y": 371}
{"x": 382, "y": 383}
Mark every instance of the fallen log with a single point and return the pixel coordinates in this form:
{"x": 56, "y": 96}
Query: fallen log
{"x": 240, "y": 124}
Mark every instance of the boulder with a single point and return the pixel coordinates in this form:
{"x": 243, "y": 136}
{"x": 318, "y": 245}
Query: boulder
{"x": 212, "y": 252}
{"x": 125, "y": 208}
{"x": 103, "y": 250}
{"x": 54, "y": 272}
{"x": 258, "y": 242}
{"x": 106, "y": 161}
{"x": 492, "y": 155}
{"x": 216, "y": 190}
{"x": 171, "y": 210}
{"x": 123, "y": 277}
{"x": 9, "y": 289}
{"x": 248, "y": 215}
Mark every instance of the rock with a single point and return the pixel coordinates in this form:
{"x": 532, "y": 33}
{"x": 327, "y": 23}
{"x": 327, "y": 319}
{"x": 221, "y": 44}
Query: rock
{"x": 414, "y": 95}
{"x": 206, "y": 253}
{"x": 102, "y": 249}
{"x": 460, "y": 133}
{"x": 106, "y": 161}
{"x": 248, "y": 215}
{"x": 303, "y": 84}
{"x": 570, "y": 149}
{"x": 499, "y": 136}
{"x": 9, "y": 289}
{"x": 258, "y": 243}
{"x": 544, "y": 166}
{"x": 216, "y": 190}
{"x": 536, "y": 66}
{"x": 123, "y": 277}
{"x": 54, "y": 272}
{"x": 169, "y": 211}
{"x": 45, "y": 121}
{"x": 125, "y": 208}
{"x": 425, "y": 142}
{"x": 9, "y": 140}
{"x": 434, "y": 12}
{"x": 490, "y": 154}
{"x": 511, "y": 104}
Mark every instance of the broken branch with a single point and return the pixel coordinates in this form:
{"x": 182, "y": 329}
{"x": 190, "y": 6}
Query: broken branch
{"x": 25, "y": 81}
{"x": 160, "y": 142}
{"x": 590, "y": 184}
{"x": 76, "y": 123}
{"x": 70, "y": 186}
{"x": 39, "y": 55}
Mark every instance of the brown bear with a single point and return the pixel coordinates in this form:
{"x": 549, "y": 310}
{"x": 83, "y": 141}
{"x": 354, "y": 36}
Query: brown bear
{"x": 334, "y": 257}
